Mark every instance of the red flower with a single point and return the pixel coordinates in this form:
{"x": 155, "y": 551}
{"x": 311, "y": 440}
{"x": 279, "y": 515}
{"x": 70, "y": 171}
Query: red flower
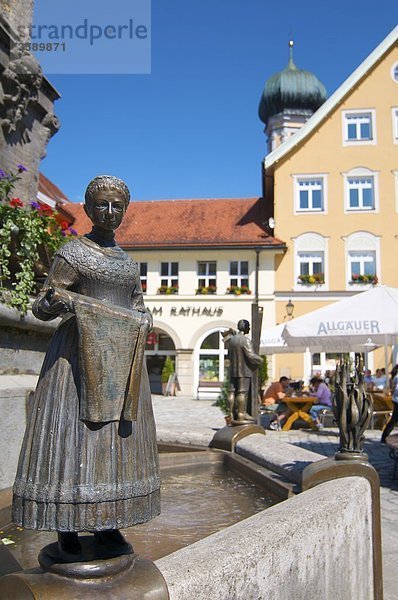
{"x": 64, "y": 225}
{"x": 16, "y": 202}
{"x": 46, "y": 210}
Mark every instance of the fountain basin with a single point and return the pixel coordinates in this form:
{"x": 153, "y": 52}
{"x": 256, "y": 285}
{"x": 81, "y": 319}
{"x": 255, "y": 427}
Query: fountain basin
{"x": 202, "y": 492}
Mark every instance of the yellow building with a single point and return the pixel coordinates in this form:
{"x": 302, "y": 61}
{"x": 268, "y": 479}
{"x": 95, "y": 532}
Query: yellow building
{"x": 332, "y": 190}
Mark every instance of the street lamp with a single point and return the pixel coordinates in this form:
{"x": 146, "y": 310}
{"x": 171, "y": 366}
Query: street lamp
{"x": 289, "y": 309}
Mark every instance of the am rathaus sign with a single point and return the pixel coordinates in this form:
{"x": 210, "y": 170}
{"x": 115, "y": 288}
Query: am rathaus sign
{"x": 187, "y": 311}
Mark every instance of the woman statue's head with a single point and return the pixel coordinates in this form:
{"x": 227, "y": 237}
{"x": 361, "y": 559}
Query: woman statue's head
{"x": 107, "y": 183}
{"x": 107, "y": 199}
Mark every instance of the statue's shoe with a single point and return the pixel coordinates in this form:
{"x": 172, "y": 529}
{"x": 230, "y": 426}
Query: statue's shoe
{"x": 113, "y": 540}
{"x": 68, "y": 542}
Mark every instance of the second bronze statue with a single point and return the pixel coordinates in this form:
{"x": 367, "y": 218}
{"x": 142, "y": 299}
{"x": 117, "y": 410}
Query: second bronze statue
{"x": 243, "y": 362}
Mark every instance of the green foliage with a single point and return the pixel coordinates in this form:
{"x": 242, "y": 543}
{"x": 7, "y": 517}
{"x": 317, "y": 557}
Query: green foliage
{"x": 25, "y": 232}
{"x": 263, "y": 372}
{"x": 168, "y": 369}
{"x": 222, "y": 400}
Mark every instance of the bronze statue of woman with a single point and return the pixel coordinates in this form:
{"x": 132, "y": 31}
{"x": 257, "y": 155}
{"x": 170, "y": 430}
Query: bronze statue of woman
{"x": 89, "y": 457}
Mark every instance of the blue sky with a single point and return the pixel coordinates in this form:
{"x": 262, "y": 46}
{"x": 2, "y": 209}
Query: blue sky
{"x": 190, "y": 128}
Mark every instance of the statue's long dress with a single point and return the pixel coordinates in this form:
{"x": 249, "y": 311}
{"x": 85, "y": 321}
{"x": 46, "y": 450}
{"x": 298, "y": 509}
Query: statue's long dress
{"x": 74, "y": 475}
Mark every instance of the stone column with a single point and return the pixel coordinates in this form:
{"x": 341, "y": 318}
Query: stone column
{"x": 184, "y": 370}
{"x": 27, "y": 119}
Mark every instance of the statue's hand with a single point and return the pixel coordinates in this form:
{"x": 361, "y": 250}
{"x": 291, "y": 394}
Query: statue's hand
{"x": 147, "y": 321}
{"x": 57, "y": 301}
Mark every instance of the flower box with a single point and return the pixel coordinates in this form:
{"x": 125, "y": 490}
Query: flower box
{"x": 168, "y": 290}
{"x": 209, "y": 289}
{"x": 316, "y": 279}
{"x": 364, "y": 279}
{"x": 238, "y": 290}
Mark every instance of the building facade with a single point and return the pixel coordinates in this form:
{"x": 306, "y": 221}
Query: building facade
{"x": 203, "y": 265}
{"x": 332, "y": 189}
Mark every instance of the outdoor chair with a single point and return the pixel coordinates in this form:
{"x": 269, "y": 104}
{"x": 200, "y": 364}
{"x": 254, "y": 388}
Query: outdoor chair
{"x": 326, "y": 414}
{"x": 378, "y": 414}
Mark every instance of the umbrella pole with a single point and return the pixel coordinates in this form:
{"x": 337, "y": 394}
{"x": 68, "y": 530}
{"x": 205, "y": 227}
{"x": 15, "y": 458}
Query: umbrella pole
{"x": 386, "y": 358}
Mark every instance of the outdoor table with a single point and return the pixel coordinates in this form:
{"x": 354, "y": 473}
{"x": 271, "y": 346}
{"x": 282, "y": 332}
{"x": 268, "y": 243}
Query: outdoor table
{"x": 300, "y": 407}
{"x": 382, "y": 401}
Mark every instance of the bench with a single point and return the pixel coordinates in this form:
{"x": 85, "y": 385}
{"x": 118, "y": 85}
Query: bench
{"x": 209, "y": 390}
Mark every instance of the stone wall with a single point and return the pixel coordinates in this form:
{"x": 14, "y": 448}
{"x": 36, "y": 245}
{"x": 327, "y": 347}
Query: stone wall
{"x": 14, "y": 406}
{"x": 23, "y": 342}
{"x": 315, "y": 546}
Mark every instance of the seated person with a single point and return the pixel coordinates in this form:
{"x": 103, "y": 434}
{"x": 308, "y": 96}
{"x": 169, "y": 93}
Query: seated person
{"x": 319, "y": 390}
{"x": 380, "y": 379}
{"x": 272, "y": 400}
{"x": 368, "y": 380}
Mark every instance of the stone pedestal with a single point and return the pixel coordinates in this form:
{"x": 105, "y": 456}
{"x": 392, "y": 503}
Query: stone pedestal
{"x": 95, "y": 575}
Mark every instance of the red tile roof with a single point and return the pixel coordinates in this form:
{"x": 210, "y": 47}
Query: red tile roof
{"x": 189, "y": 223}
{"x": 48, "y": 188}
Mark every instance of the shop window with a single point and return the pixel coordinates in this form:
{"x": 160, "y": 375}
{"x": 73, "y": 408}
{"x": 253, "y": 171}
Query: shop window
{"x": 212, "y": 358}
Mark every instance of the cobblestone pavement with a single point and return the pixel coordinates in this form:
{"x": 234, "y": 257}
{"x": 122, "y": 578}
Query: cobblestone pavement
{"x": 186, "y": 412}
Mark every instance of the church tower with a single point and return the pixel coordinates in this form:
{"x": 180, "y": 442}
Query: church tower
{"x": 289, "y": 99}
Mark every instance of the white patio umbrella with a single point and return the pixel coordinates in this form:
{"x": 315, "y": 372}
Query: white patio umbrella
{"x": 272, "y": 342}
{"x": 359, "y": 323}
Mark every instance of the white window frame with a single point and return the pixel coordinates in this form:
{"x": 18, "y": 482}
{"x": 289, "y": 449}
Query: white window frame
{"x": 361, "y": 241}
{"x": 312, "y": 257}
{"x": 297, "y": 180}
{"x": 362, "y": 257}
{"x": 361, "y": 173}
{"x": 394, "y": 72}
{"x": 207, "y": 276}
{"x": 362, "y": 112}
{"x": 169, "y": 278}
{"x": 310, "y": 243}
{"x": 238, "y": 277}
{"x": 144, "y": 278}
{"x": 394, "y": 116}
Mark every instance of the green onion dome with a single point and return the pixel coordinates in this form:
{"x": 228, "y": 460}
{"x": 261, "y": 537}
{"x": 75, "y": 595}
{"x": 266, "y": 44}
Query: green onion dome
{"x": 292, "y": 89}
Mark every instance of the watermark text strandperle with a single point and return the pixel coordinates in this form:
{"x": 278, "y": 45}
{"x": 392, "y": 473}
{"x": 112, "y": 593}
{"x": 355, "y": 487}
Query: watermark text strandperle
{"x": 84, "y": 31}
